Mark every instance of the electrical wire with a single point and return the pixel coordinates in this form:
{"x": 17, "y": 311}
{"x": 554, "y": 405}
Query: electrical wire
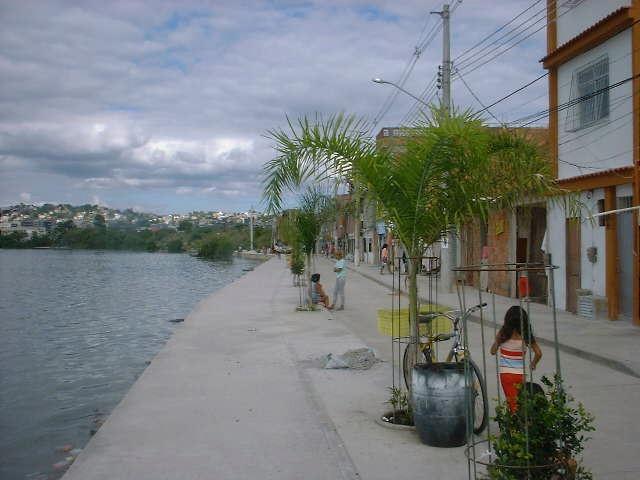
{"x": 421, "y": 46}
{"x": 478, "y": 100}
{"x": 545, "y": 113}
{"x": 507, "y": 37}
{"x": 496, "y": 31}
{"x": 478, "y": 62}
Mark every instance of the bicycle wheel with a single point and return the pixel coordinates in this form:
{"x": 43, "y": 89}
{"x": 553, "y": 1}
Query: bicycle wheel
{"x": 409, "y": 361}
{"x": 479, "y": 400}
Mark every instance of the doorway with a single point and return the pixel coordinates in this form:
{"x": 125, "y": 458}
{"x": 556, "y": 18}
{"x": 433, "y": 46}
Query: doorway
{"x": 573, "y": 262}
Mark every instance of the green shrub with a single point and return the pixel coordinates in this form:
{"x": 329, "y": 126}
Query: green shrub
{"x": 297, "y": 263}
{"x": 545, "y": 430}
{"x": 215, "y": 248}
{"x": 399, "y": 400}
{"x": 175, "y": 246}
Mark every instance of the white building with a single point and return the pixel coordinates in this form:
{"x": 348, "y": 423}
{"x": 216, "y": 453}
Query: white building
{"x": 593, "y": 59}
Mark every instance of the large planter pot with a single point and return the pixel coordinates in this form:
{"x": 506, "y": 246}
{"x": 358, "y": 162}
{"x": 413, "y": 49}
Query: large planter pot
{"x": 439, "y": 403}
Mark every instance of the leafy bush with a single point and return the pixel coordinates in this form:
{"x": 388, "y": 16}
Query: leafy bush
{"x": 545, "y": 430}
{"x": 297, "y": 263}
{"x": 175, "y": 246}
{"x": 216, "y": 247}
{"x": 399, "y": 400}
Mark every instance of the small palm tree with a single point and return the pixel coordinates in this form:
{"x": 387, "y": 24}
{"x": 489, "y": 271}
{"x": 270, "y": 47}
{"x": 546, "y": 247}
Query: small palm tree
{"x": 303, "y": 224}
{"x": 453, "y": 169}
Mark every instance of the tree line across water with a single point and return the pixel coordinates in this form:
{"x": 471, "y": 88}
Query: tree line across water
{"x": 209, "y": 242}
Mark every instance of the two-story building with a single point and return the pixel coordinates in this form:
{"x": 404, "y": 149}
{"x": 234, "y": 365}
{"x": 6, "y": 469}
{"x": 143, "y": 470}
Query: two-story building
{"x": 593, "y": 59}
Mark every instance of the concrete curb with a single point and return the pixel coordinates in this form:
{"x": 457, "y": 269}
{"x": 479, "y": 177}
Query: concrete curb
{"x": 611, "y": 363}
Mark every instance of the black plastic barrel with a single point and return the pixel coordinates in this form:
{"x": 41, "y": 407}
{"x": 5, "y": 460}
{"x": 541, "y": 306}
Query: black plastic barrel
{"x": 439, "y": 403}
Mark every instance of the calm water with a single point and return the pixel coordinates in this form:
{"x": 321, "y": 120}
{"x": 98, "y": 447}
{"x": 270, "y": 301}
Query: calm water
{"x": 77, "y": 328}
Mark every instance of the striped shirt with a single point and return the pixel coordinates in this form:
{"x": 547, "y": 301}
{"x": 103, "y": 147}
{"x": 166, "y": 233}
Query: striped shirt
{"x": 512, "y": 356}
{"x": 315, "y": 296}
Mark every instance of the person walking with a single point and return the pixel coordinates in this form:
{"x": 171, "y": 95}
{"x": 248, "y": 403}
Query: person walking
{"x": 384, "y": 258}
{"x": 341, "y": 278}
{"x": 511, "y": 344}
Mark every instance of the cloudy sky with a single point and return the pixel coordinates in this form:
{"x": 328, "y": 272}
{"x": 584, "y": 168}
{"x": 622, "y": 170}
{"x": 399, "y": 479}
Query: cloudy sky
{"x": 163, "y": 105}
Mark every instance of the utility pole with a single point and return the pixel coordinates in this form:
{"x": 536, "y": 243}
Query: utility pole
{"x": 452, "y": 243}
{"x": 251, "y": 226}
{"x": 446, "y": 59}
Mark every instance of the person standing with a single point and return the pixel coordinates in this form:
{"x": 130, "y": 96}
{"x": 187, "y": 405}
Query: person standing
{"x": 384, "y": 258}
{"x": 341, "y": 278}
{"x": 511, "y": 345}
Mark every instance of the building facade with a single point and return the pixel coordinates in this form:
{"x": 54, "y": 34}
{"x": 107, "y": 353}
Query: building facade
{"x": 593, "y": 59}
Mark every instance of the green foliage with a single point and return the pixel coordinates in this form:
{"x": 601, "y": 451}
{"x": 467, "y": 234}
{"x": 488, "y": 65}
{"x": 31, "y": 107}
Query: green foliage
{"x": 108, "y": 238}
{"x": 175, "y": 246}
{"x": 399, "y": 400}
{"x": 452, "y": 170}
{"x": 546, "y": 430}
{"x": 216, "y": 247}
{"x": 297, "y": 263}
{"x": 13, "y": 240}
{"x": 315, "y": 209}
{"x": 185, "y": 226}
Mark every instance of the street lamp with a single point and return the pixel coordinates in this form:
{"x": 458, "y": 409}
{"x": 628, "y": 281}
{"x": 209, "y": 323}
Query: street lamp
{"x": 379, "y": 80}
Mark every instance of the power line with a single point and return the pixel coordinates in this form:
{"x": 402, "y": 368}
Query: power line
{"x": 475, "y": 64}
{"x": 509, "y": 36}
{"x": 428, "y": 90}
{"x": 545, "y": 113}
{"x": 519, "y": 89}
{"x": 421, "y": 46}
{"x": 622, "y": 57}
{"x": 496, "y": 31}
{"x": 477, "y": 99}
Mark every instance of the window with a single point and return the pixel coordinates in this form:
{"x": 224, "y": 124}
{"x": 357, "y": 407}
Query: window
{"x": 625, "y": 202}
{"x": 589, "y": 107}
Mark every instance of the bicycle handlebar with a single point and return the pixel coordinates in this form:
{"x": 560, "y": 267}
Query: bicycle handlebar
{"x": 452, "y": 315}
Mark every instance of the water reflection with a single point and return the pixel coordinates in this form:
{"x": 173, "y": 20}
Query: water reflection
{"x": 78, "y": 327}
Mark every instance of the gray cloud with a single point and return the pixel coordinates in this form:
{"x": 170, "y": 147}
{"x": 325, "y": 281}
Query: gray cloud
{"x": 171, "y": 99}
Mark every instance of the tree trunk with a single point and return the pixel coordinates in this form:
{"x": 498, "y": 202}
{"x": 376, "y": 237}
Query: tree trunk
{"x": 356, "y": 233}
{"x": 308, "y": 269}
{"x": 414, "y": 263}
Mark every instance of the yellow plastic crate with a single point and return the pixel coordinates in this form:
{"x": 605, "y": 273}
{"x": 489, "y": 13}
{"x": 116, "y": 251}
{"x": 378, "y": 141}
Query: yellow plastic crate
{"x": 399, "y": 327}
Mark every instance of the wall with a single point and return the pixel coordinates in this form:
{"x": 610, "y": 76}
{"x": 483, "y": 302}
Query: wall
{"x": 499, "y": 236}
{"x": 608, "y": 143}
{"x": 555, "y": 245}
{"x": 572, "y": 22}
{"x": 592, "y": 275}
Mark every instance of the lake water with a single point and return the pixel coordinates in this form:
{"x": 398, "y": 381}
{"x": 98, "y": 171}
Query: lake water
{"x": 77, "y": 329}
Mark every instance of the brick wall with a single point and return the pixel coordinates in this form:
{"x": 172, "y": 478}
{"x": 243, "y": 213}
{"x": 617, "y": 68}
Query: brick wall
{"x": 498, "y": 241}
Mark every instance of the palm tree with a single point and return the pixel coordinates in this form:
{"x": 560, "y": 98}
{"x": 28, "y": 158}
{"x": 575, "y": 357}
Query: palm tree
{"x": 453, "y": 169}
{"x": 302, "y": 225}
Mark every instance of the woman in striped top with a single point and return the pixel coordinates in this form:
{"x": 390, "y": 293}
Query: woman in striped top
{"x": 512, "y": 341}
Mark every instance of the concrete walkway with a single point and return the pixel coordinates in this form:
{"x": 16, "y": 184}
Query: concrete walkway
{"x": 236, "y": 394}
{"x": 610, "y": 343}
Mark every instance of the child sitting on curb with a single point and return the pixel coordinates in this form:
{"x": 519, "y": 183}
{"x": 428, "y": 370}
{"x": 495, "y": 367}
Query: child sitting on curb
{"x": 318, "y": 294}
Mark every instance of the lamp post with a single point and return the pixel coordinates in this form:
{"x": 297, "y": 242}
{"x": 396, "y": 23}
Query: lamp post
{"x": 379, "y": 80}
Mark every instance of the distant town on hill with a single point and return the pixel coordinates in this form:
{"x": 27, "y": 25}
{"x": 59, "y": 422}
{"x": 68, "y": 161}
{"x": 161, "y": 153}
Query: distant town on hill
{"x": 41, "y": 219}
{"x": 213, "y": 234}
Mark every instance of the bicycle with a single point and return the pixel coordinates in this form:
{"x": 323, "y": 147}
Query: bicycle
{"x": 457, "y": 353}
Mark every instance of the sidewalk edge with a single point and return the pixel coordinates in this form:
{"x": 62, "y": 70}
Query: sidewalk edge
{"x": 611, "y": 363}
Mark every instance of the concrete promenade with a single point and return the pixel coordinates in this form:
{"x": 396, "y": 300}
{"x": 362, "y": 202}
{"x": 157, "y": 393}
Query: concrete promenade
{"x": 236, "y": 394}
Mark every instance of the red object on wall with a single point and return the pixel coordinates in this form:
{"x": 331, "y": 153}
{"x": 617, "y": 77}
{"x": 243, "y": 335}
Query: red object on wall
{"x": 523, "y": 287}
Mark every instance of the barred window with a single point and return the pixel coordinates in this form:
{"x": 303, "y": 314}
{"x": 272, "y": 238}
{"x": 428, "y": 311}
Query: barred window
{"x": 589, "y": 107}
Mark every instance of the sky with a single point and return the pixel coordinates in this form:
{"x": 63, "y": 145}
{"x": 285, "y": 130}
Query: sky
{"x": 164, "y": 106}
